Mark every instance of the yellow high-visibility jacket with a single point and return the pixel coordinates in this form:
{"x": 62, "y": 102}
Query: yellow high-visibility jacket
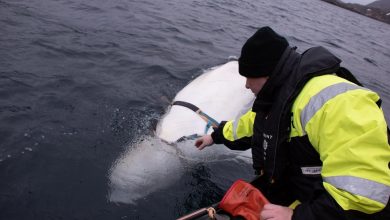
{"x": 345, "y": 126}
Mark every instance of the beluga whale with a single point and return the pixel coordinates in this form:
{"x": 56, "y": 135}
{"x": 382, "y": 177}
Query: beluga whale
{"x": 158, "y": 161}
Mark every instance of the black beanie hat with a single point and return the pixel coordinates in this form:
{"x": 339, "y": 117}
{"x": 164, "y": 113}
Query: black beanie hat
{"x": 261, "y": 53}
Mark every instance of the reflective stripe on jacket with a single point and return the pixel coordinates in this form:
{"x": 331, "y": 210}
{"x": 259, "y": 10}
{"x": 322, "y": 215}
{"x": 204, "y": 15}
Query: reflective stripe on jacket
{"x": 240, "y": 127}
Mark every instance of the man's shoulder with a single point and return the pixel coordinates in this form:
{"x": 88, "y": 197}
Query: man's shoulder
{"x": 318, "y": 83}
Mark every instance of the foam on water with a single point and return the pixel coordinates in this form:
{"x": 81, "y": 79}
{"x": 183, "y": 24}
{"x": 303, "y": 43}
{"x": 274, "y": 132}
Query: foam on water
{"x": 152, "y": 164}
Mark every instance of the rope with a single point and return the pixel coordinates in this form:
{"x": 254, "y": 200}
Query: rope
{"x": 211, "y": 212}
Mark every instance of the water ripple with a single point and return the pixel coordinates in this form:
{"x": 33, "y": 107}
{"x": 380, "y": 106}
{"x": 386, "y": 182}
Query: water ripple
{"x": 86, "y": 8}
{"x": 370, "y": 61}
{"x": 67, "y": 51}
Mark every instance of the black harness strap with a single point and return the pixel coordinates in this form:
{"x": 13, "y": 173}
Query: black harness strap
{"x": 187, "y": 105}
{"x": 210, "y": 121}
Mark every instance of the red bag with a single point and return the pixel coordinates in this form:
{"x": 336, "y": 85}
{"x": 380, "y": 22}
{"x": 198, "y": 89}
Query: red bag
{"x": 243, "y": 199}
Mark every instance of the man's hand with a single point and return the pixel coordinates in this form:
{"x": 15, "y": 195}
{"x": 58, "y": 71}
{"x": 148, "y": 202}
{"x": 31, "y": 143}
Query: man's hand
{"x": 276, "y": 212}
{"x": 204, "y": 141}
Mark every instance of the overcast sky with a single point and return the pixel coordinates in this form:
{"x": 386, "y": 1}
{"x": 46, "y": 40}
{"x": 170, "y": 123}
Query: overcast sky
{"x": 362, "y": 2}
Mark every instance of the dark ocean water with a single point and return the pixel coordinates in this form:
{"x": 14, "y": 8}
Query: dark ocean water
{"x": 81, "y": 80}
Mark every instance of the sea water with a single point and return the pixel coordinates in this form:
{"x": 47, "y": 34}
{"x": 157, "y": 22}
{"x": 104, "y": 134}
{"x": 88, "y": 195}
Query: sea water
{"x": 84, "y": 82}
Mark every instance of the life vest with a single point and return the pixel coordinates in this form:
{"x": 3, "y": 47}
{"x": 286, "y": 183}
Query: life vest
{"x": 273, "y": 106}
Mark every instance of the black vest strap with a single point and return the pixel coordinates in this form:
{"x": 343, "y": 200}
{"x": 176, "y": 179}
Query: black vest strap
{"x": 346, "y": 74}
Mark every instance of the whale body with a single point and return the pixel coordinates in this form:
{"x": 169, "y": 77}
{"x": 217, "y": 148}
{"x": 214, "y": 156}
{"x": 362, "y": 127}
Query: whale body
{"x": 158, "y": 161}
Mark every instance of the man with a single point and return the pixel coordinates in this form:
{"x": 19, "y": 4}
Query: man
{"x": 317, "y": 136}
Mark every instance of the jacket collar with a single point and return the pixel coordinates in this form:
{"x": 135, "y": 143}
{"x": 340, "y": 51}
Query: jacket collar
{"x": 278, "y": 77}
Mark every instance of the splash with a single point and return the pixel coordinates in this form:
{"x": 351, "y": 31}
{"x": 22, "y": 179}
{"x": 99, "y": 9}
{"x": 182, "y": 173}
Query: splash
{"x": 151, "y": 165}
